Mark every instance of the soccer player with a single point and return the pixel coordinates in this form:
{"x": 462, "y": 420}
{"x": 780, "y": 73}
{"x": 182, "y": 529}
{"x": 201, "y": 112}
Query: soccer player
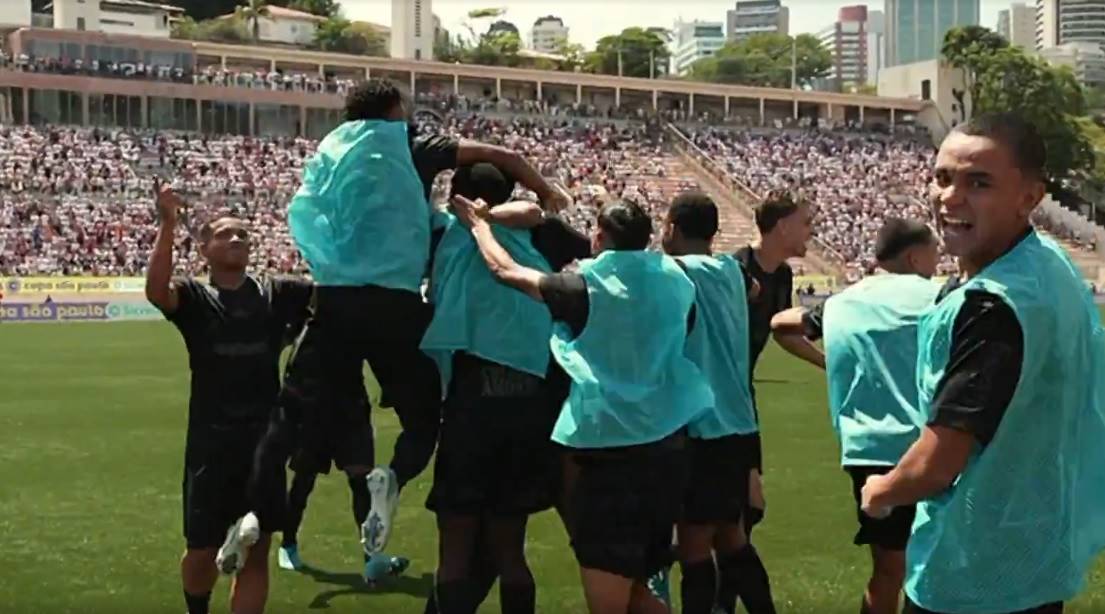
{"x": 495, "y": 462}
{"x": 620, "y": 334}
{"x": 1008, "y": 469}
{"x": 722, "y": 442}
{"x": 870, "y": 333}
{"x": 362, "y": 221}
{"x": 234, "y": 327}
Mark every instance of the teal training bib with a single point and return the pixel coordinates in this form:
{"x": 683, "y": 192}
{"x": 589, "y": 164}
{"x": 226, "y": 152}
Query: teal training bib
{"x": 476, "y": 314}
{"x": 870, "y": 335}
{"x": 718, "y": 345}
{"x": 1026, "y": 519}
{"x": 361, "y": 216}
{"x": 631, "y": 380}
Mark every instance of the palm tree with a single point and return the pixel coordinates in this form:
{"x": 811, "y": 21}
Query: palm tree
{"x": 251, "y": 14}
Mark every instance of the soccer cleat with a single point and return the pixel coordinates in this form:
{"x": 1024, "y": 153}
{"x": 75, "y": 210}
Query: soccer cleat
{"x": 660, "y": 586}
{"x": 288, "y": 558}
{"x": 239, "y": 537}
{"x": 380, "y": 566}
{"x": 383, "y": 487}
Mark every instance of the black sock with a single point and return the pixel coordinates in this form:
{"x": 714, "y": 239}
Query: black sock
{"x": 699, "y": 587}
{"x": 198, "y": 604}
{"x": 362, "y": 501}
{"x": 456, "y": 597}
{"x": 518, "y": 598}
{"x": 431, "y": 603}
{"x": 742, "y": 574}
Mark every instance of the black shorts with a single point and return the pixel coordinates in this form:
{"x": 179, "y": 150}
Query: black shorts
{"x": 892, "y": 532}
{"x": 327, "y": 427}
{"x": 214, "y": 488}
{"x": 494, "y": 454}
{"x": 717, "y": 480}
{"x": 624, "y": 505}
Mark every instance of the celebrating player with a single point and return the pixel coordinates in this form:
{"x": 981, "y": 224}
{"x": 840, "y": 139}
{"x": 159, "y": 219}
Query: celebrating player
{"x": 1008, "y": 469}
{"x": 620, "y": 335}
{"x": 870, "y": 332}
{"x": 495, "y": 462}
{"x": 234, "y": 328}
{"x": 722, "y": 443}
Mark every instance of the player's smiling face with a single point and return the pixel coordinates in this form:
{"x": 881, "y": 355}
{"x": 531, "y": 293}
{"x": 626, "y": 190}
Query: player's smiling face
{"x": 981, "y": 199}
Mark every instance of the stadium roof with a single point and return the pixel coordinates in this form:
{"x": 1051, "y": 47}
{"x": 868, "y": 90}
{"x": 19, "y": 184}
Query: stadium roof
{"x": 135, "y": 4}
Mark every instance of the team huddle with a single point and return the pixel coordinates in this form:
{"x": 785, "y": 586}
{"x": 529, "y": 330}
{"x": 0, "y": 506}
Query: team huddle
{"x": 614, "y": 383}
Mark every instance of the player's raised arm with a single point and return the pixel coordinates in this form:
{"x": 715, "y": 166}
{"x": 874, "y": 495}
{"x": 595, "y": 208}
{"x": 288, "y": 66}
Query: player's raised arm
{"x": 476, "y": 217}
{"x": 515, "y": 165}
{"x": 159, "y": 287}
{"x": 792, "y": 328}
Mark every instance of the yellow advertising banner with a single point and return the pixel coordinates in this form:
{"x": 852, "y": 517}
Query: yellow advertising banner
{"x": 14, "y": 287}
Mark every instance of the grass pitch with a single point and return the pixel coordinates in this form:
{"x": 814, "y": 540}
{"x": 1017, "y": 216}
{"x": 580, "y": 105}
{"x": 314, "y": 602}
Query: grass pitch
{"x": 92, "y": 420}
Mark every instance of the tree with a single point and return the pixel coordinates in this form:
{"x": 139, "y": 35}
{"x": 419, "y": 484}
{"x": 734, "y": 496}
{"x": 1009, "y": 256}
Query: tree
{"x": 322, "y": 8}
{"x": 1051, "y": 98}
{"x": 226, "y": 30}
{"x": 573, "y": 53}
{"x": 642, "y": 54}
{"x": 766, "y": 60}
{"x": 251, "y": 13}
{"x": 340, "y": 35}
{"x": 970, "y": 49}
{"x": 495, "y": 49}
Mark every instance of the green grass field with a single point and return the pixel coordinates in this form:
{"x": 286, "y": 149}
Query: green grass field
{"x": 92, "y": 420}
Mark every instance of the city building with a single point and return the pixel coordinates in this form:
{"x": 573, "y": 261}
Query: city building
{"x": 412, "y": 29}
{"x": 932, "y": 82}
{"x": 285, "y": 26}
{"x": 848, "y": 43}
{"x": 757, "y": 17}
{"x": 915, "y": 29}
{"x": 547, "y": 34}
{"x": 15, "y": 13}
{"x": 876, "y": 45}
{"x": 693, "y": 40}
{"x": 1086, "y": 59}
{"x": 1018, "y": 25}
{"x": 1069, "y": 21}
{"x": 132, "y": 17}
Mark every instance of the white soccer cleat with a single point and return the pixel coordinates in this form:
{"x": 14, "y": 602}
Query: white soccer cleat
{"x": 383, "y": 487}
{"x": 239, "y": 537}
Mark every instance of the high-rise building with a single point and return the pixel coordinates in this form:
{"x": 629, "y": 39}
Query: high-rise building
{"x": 848, "y": 42}
{"x": 693, "y": 40}
{"x": 15, "y": 13}
{"x": 1059, "y": 22}
{"x": 412, "y": 29}
{"x": 757, "y": 17}
{"x": 547, "y": 33}
{"x": 1018, "y": 25}
{"x": 876, "y": 45}
{"x": 915, "y": 29}
{"x": 1086, "y": 59}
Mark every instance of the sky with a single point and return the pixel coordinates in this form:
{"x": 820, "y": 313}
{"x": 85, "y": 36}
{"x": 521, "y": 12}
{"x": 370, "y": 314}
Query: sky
{"x": 589, "y": 20}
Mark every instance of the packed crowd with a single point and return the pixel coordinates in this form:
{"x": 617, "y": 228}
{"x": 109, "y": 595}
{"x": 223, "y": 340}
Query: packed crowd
{"x": 856, "y": 181}
{"x": 77, "y": 201}
{"x": 275, "y": 80}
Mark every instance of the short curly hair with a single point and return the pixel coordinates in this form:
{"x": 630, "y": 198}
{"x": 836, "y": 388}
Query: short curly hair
{"x": 372, "y": 99}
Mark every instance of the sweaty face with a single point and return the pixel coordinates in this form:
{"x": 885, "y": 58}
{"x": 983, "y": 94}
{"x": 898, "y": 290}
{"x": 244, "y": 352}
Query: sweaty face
{"x": 228, "y": 245}
{"x": 980, "y": 199}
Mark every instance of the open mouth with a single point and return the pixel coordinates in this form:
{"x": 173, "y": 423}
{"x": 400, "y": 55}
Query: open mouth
{"x": 956, "y": 225}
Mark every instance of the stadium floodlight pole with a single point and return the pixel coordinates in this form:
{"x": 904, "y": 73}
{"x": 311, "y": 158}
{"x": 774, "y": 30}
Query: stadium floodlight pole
{"x": 619, "y": 61}
{"x": 652, "y": 64}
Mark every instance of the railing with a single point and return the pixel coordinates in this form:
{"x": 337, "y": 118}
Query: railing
{"x": 712, "y": 166}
